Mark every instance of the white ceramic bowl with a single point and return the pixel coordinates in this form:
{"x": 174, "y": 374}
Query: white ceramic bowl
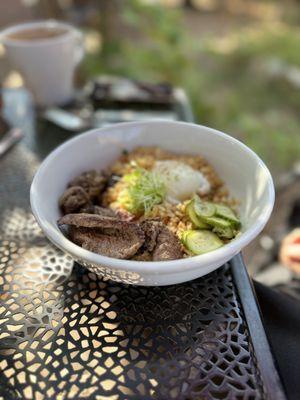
{"x": 246, "y": 176}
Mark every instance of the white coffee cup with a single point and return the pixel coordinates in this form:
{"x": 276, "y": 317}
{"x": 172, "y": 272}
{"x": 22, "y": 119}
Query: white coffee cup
{"x": 46, "y": 64}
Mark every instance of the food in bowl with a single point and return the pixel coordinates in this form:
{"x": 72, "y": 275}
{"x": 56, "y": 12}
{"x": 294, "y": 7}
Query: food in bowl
{"x": 150, "y": 205}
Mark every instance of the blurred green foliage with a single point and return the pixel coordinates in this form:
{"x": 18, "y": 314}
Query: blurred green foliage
{"x": 243, "y": 82}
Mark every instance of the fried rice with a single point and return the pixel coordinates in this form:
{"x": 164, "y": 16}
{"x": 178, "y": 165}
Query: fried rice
{"x": 172, "y": 215}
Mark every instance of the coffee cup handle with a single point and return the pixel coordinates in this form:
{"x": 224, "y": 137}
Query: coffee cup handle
{"x": 79, "y": 47}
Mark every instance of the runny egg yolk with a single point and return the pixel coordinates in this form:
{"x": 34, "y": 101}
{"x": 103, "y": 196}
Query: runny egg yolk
{"x": 181, "y": 180}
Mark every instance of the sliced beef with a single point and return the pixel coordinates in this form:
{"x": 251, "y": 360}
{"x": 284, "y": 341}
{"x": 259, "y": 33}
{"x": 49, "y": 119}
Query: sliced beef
{"x": 160, "y": 242}
{"x": 73, "y": 199}
{"x": 151, "y": 229}
{"x": 104, "y": 235}
{"x": 144, "y": 256}
{"x": 92, "y": 182}
{"x": 113, "y": 237}
{"x": 92, "y": 209}
{"x": 112, "y": 180}
{"x": 94, "y": 221}
{"x": 167, "y": 247}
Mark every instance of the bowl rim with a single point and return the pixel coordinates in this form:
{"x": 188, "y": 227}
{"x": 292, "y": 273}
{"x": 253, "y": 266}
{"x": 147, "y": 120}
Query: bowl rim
{"x": 150, "y": 267}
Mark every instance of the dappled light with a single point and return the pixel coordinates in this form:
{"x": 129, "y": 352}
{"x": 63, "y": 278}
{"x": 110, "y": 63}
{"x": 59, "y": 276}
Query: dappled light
{"x": 92, "y": 41}
{"x": 29, "y": 3}
{"x": 13, "y": 80}
{"x": 237, "y": 60}
{"x": 240, "y": 69}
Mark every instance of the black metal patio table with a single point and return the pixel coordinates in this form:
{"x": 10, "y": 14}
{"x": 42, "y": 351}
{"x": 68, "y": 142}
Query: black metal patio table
{"x": 67, "y": 334}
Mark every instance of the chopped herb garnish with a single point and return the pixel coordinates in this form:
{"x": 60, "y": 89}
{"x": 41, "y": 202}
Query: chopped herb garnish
{"x": 145, "y": 190}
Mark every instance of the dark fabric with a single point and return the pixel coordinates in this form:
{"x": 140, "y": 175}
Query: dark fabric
{"x": 281, "y": 317}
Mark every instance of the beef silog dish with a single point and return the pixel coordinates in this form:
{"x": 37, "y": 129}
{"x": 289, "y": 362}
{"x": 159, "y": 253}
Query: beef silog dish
{"x": 150, "y": 205}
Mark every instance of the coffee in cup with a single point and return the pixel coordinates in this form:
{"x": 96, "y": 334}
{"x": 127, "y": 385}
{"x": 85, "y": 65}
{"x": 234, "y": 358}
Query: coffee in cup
{"x": 39, "y": 33}
{"x": 46, "y": 54}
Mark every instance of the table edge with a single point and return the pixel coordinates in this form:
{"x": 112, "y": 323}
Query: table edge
{"x": 265, "y": 360}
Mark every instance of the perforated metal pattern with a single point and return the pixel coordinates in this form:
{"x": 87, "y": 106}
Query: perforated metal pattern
{"x": 72, "y": 335}
{"x": 66, "y": 334}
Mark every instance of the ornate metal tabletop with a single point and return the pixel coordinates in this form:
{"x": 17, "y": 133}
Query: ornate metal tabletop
{"x": 67, "y": 334}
